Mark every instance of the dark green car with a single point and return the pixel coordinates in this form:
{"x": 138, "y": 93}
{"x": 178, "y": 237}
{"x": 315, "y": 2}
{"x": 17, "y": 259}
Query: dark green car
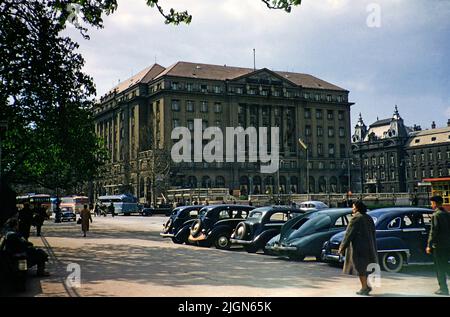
{"x": 305, "y": 235}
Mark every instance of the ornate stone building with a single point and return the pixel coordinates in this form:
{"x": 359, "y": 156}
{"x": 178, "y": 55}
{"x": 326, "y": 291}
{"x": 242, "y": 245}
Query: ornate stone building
{"x": 136, "y": 119}
{"x": 393, "y": 157}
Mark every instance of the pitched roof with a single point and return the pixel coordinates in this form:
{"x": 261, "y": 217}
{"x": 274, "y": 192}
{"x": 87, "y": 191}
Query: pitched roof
{"x": 428, "y": 137}
{"x": 382, "y": 122}
{"x": 144, "y": 76}
{"x": 218, "y": 72}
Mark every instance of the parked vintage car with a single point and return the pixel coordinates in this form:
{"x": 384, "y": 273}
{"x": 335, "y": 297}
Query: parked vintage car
{"x": 216, "y": 223}
{"x": 262, "y": 225}
{"x": 68, "y": 215}
{"x": 401, "y": 233}
{"x": 305, "y": 235}
{"x": 179, "y": 223}
{"x": 313, "y": 205}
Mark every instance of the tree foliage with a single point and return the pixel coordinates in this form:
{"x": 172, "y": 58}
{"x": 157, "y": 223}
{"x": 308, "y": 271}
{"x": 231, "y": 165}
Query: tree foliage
{"x": 46, "y": 98}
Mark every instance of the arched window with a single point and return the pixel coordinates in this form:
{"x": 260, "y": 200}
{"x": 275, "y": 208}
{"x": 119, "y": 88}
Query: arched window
{"x": 257, "y": 185}
{"x": 322, "y": 185}
{"x": 220, "y": 181}
{"x": 206, "y": 182}
{"x": 333, "y": 184}
{"x": 312, "y": 185}
{"x": 192, "y": 182}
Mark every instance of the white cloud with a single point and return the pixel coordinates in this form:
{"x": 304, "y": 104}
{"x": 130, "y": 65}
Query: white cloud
{"x": 400, "y": 62}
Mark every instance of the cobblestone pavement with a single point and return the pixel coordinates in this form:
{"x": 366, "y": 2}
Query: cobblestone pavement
{"x": 125, "y": 256}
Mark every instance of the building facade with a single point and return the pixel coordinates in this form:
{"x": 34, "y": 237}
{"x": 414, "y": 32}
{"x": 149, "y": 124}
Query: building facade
{"x": 394, "y": 158}
{"x": 136, "y": 120}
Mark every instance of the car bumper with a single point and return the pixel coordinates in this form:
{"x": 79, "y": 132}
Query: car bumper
{"x": 201, "y": 237}
{"x": 167, "y": 235}
{"x": 243, "y": 242}
{"x": 327, "y": 257}
{"x": 277, "y": 248}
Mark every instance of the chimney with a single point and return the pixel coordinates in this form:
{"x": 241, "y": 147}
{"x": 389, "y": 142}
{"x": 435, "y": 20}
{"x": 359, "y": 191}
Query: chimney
{"x": 448, "y": 123}
{"x": 433, "y": 125}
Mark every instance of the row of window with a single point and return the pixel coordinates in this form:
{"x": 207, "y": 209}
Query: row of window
{"x": 190, "y": 106}
{"x": 320, "y": 114}
{"x": 431, "y": 156}
{"x": 378, "y": 161}
{"x": 331, "y": 150}
{"x": 320, "y": 131}
{"x": 416, "y": 174}
{"x": 254, "y": 90}
{"x": 431, "y": 173}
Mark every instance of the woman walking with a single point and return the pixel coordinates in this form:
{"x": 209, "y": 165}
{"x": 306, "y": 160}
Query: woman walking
{"x": 85, "y": 219}
{"x": 359, "y": 246}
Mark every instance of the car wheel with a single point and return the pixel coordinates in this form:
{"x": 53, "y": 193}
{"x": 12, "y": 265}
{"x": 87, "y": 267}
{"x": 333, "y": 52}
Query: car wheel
{"x": 241, "y": 231}
{"x": 196, "y": 227}
{"x": 222, "y": 242}
{"x": 392, "y": 262}
{"x": 176, "y": 241}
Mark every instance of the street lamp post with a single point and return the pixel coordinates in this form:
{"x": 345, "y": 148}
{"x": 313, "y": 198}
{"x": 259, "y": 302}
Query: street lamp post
{"x": 305, "y": 147}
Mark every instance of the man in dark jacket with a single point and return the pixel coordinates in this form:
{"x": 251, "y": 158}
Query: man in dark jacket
{"x": 39, "y": 217}
{"x": 439, "y": 243}
{"x": 25, "y": 220}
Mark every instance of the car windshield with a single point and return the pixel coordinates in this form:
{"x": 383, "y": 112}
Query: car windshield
{"x": 204, "y": 211}
{"x": 258, "y": 213}
{"x": 316, "y": 223}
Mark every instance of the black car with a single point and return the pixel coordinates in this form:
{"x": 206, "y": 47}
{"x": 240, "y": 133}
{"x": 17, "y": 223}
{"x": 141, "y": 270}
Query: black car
{"x": 304, "y": 236}
{"x": 262, "y": 225}
{"x": 179, "y": 224}
{"x": 216, "y": 223}
{"x": 402, "y": 235}
{"x": 68, "y": 216}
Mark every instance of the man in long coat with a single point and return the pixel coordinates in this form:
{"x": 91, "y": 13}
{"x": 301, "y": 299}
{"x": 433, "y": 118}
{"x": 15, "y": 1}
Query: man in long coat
{"x": 85, "y": 215}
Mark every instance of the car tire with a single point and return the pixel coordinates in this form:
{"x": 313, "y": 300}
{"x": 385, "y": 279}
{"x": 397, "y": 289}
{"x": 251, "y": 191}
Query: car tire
{"x": 196, "y": 227}
{"x": 241, "y": 231}
{"x": 222, "y": 241}
{"x": 176, "y": 241}
{"x": 392, "y": 262}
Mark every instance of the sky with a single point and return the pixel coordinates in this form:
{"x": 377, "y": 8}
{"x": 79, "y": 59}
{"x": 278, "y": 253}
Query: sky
{"x": 385, "y": 52}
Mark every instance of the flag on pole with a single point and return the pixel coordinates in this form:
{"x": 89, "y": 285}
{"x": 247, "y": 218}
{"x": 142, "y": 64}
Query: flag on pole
{"x": 303, "y": 145}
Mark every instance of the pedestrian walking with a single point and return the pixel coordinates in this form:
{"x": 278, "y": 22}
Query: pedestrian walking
{"x": 439, "y": 243}
{"x": 25, "y": 220}
{"x": 111, "y": 209}
{"x": 40, "y": 215}
{"x": 359, "y": 246}
{"x": 85, "y": 215}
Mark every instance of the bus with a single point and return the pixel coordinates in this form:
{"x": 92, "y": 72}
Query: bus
{"x": 74, "y": 203}
{"x": 440, "y": 186}
{"x": 34, "y": 200}
{"x": 123, "y": 204}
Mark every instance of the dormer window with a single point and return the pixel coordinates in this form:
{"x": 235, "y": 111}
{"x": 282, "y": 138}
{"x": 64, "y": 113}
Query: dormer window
{"x": 433, "y": 139}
